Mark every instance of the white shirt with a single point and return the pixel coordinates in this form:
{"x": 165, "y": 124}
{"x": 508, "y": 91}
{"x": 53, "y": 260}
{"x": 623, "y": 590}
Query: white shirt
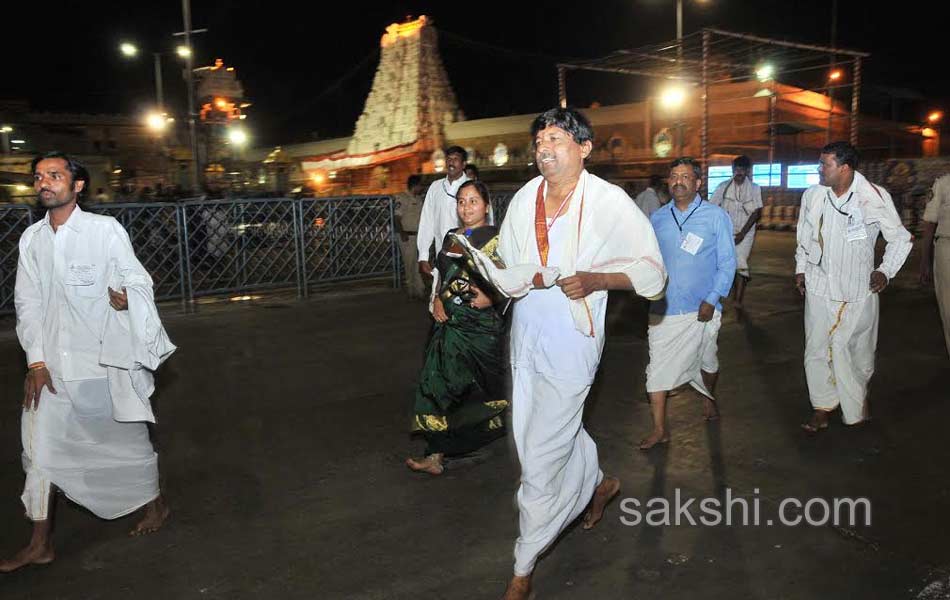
{"x": 834, "y": 266}
{"x": 648, "y": 201}
{"x": 739, "y": 201}
{"x": 61, "y": 294}
{"x": 938, "y": 209}
{"x": 439, "y": 215}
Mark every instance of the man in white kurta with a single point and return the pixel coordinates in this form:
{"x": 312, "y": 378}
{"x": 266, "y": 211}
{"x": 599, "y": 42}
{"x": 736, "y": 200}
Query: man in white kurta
{"x": 86, "y": 404}
{"x": 838, "y": 226}
{"x": 596, "y": 237}
{"x": 742, "y": 201}
{"x": 649, "y": 199}
{"x": 935, "y": 250}
{"x": 439, "y": 211}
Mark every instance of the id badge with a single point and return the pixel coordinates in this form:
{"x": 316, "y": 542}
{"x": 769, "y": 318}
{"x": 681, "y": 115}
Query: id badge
{"x": 81, "y": 274}
{"x": 691, "y": 243}
{"x": 856, "y": 229}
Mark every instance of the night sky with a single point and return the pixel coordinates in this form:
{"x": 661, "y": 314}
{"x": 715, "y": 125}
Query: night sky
{"x": 307, "y": 67}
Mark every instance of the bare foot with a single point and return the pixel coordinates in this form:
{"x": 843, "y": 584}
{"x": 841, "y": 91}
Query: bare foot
{"x": 607, "y": 489}
{"x": 519, "y": 588}
{"x": 710, "y": 409}
{"x": 818, "y": 422}
{"x": 156, "y": 513}
{"x": 31, "y": 555}
{"x": 654, "y": 439}
{"x": 431, "y": 464}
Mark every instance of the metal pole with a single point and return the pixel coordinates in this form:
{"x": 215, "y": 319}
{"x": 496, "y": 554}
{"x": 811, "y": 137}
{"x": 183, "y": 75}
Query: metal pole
{"x": 772, "y": 102}
{"x": 189, "y": 77}
{"x": 704, "y": 133}
{"x": 855, "y": 102}
{"x": 159, "y": 97}
{"x": 679, "y": 30}
{"x": 393, "y": 245}
{"x": 831, "y": 68}
{"x": 561, "y": 87}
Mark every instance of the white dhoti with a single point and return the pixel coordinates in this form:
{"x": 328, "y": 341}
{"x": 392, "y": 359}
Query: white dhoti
{"x": 72, "y": 442}
{"x": 941, "y": 273}
{"x": 743, "y": 250}
{"x": 840, "y": 340}
{"x": 681, "y": 347}
{"x": 559, "y": 467}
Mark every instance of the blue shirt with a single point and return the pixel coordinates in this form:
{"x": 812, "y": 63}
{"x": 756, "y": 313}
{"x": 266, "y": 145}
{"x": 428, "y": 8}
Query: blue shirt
{"x": 693, "y": 278}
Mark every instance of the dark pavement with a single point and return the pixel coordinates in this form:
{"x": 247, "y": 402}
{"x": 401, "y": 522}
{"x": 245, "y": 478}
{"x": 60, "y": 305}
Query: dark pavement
{"x": 283, "y": 429}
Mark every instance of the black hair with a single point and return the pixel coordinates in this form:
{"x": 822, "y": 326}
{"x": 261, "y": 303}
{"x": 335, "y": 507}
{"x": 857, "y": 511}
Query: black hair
{"x": 570, "y": 120}
{"x": 656, "y": 181}
{"x": 690, "y": 162}
{"x": 742, "y": 162}
{"x": 457, "y": 150}
{"x": 473, "y": 168}
{"x": 413, "y": 180}
{"x": 76, "y": 169}
{"x": 480, "y": 187}
{"x": 844, "y": 153}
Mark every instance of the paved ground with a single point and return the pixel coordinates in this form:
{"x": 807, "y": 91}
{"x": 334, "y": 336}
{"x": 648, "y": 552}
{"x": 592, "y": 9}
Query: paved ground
{"x": 283, "y": 429}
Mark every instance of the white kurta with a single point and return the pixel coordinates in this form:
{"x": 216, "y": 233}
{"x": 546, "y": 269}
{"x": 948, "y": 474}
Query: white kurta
{"x": 648, "y": 201}
{"x": 556, "y": 345}
{"x": 439, "y": 215}
{"x": 836, "y": 237}
{"x": 938, "y": 211}
{"x": 739, "y": 201}
{"x": 73, "y": 440}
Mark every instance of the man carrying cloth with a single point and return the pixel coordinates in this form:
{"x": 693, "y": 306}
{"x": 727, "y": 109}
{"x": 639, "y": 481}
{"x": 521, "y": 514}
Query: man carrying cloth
{"x": 599, "y": 240}
{"x": 742, "y": 201}
{"x": 838, "y": 226}
{"x": 697, "y": 244}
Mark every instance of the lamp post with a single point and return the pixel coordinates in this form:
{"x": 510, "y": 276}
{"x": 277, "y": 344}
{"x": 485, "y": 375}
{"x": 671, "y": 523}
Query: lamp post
{"x": 5, "y": 131}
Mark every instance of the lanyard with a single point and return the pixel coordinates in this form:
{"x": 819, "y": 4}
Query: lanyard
{"x": 680, "y": 225}
{"x": 840, "y": 212}
{"x": 446, "y": 190}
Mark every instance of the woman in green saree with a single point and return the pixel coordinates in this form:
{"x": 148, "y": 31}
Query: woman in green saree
{"x": 460, "y": 403}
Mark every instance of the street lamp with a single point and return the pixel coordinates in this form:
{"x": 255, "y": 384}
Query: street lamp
{"x": 935, "y": 117}
{"x": 765, "y": 72}
{"x": 183, "y": 51}
{"x": 128, "y": 49}
{"x": 237, "y": 136}
{"x": 672, "y": 97}
{"x": 835, "y": 75}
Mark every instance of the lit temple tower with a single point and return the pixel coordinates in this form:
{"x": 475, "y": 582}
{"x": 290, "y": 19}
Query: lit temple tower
{"x": 411, "y": 100}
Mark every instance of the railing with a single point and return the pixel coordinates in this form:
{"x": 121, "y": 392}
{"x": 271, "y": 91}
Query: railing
{"x": 197, "y": 248}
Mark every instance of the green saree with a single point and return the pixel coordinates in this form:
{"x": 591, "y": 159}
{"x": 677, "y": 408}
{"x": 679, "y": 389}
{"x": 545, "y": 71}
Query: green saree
{"x": 459, "y": 402}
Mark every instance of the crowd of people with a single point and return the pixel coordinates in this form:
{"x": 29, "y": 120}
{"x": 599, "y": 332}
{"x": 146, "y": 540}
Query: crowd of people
{"x": 537, "y": 283}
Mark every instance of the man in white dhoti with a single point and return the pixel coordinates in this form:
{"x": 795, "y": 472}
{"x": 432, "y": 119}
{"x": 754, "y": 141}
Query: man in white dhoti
{"x": 649, "y": 199}
{"x": 696, "y": 240}
{"x": 591, "y": 231}
{"x": 935, "y": 250}
{"x": 86, "y": 320}
{"x": 439, "y": 210}
{"x": 838, "y": 226}
{"x": 742, "y": 201}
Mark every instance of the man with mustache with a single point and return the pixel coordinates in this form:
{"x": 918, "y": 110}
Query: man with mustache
{"x": 838, "y": 226}
{"x": 598, "y": 240}
{"x": 697, "y": 244}
{"x": 87, "y": 321}
{"x": 439, "y": 208}
{"x": 742, "y": 201}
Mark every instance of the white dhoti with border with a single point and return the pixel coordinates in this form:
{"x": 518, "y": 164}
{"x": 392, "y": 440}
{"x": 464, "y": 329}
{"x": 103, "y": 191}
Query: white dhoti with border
{"x": 71, "y": 441}
{"x": 840, "y": 341}
{"x": 559, "y": 467}
{"x": 743, "y": 250}
{"x": 681, "y": 347}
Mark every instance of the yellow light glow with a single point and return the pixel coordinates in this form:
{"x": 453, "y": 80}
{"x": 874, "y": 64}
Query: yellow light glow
{"x": 928, "y": 132}
{"x": 237, "y": 136}
{"x": 6, "y": 129}
{"x": 935, "y": 116}
{"x": 128, "y": 49}
{"x": 398, "y": 30}
{"x": 318, "y": 178}
{"x": 183, "y": 51}
{"x": 155, "y": 121}
{"x": 835, "y": 75}
{"x": 673, "y": 97}
{"x": 22, "y": 188}
{"x": 765, "y": 72}
{"x": 221, "y": 103}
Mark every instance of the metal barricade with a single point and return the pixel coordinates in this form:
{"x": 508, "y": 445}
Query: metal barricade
{"x": 240, "y": 245}
{"x": 499, "y": 203}
{"x": 156, "y": 234}
{"x": 14, "y": 219}
{"x": 347, "y": 238}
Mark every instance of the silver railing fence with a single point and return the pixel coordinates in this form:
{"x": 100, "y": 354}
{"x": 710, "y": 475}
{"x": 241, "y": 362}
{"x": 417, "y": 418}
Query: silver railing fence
{"x": 198, "y": 248}
{"x": 14, "y": 219}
